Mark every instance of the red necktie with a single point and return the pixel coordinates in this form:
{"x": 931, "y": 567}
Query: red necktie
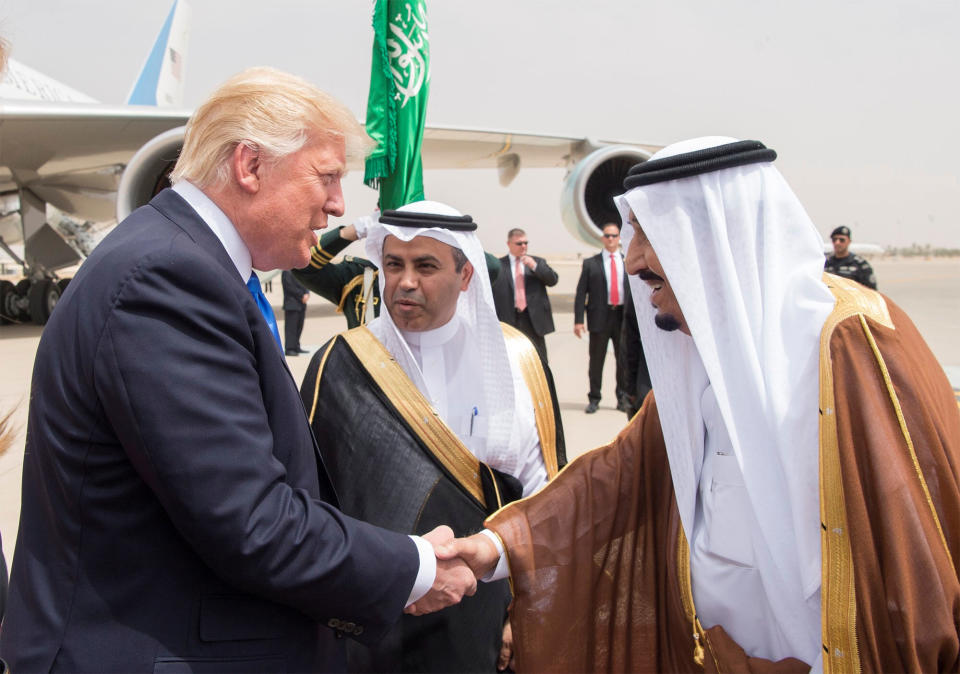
{"x": 520, "y": 290}
{"x": 614, "y": 285}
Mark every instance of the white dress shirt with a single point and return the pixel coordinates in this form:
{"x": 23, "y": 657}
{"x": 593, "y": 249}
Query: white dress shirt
{"x": 618, "y": 260}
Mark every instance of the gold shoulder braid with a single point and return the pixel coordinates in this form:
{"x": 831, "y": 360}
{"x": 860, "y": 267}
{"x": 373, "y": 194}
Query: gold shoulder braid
{"x": 415, "y": 410}
{"x": 536, "y": 379}
{"x": 350, "y": 285}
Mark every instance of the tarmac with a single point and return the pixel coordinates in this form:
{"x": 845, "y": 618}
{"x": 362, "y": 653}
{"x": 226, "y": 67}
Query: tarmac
{"x": 928, "y": 290}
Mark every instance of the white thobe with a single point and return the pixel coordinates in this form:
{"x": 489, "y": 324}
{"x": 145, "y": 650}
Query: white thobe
{"x": 451, "y": 373}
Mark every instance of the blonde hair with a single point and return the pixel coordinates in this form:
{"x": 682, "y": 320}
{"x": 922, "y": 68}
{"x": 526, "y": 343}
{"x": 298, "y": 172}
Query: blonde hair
{"x": 269, "y": 110}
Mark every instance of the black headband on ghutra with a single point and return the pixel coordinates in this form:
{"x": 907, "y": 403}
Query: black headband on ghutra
{"x": 457, "y": 223}
{"x": 697, "y": 162}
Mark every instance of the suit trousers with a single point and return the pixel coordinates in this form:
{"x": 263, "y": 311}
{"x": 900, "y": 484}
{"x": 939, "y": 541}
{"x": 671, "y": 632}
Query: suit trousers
{"x": 292, "y": 328}
{"x": 525, "y": 326}
{"x": 598, "y": 354}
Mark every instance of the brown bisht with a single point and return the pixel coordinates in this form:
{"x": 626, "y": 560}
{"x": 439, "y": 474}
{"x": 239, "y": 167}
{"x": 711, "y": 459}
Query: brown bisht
{"x": 600, "y": 566}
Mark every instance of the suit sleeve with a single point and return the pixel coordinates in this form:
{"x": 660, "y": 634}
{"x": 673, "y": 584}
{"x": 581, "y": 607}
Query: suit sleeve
{"x": 580, "y": 301}
{"x": 545, "y": 273}
{"x": 326, "y": 278}
{"x": 177, "y": 374}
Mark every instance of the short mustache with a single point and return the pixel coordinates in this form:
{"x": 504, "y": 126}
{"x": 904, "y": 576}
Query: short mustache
{"x": 647, "y": 275}
{"x": 409, "y": 295}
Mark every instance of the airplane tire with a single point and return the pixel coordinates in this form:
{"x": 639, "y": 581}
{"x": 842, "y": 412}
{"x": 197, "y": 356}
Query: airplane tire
{"x": 42, "y": 298}
{"x": 7, "y": 292}
{"x": 21, "y": 312}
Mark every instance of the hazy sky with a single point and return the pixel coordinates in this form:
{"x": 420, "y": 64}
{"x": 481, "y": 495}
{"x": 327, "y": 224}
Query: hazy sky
{"x": 858, "y": 98}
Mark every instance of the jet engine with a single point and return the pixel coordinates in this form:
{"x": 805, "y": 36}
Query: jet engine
{"x": 586, "y": 203}
{"x": 148, "y": 170}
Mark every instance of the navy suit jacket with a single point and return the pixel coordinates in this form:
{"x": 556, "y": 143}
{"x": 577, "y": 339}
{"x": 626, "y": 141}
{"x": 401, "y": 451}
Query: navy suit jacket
{"x": 176, "y": 515}
{"x": 535, "y": 283}
{"x": 293, "y": 292}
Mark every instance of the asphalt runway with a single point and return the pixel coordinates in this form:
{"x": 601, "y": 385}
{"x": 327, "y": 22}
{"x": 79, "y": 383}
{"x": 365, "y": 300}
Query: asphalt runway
{"x": 928, "y": 290}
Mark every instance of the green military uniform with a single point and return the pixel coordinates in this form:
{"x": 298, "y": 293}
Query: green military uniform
{"x": 352, "y": 283}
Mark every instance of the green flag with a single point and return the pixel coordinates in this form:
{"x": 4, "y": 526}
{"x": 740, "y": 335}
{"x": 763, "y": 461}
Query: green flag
{"x": 397, "y": 102}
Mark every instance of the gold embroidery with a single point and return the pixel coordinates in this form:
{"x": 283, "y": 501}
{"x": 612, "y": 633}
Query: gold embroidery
{"x": 316, "y": 387}
{"x": 838, "y": 601}
{"x": 442, "y": 442}
{"x": 536, "y": 381}
{"x": 686, "y": 596}
{"x": 350, "y": 285}
{"x": 851, "y": 299}
{"x": 319, "y": 257}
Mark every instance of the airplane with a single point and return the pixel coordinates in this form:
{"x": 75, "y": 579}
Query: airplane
{"x": 70, "y": 168}
{"x": 61, "y": 158}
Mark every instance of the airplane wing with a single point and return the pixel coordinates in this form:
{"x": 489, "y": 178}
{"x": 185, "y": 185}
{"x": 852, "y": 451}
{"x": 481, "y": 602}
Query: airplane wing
{"x": 72, "y": 155}
{"x": 447, "y": 147}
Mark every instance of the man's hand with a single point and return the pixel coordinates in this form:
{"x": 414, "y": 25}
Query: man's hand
{"x": 306, "y": 297}
{"x": 578, "y": 330}
{"x": 529, "y": 262}
{"x": 506, "y": 649}
{"x": 358, "y": 230}
{"x": 477, "y": 551}
{"x": 348, "y": 233}
{"x": 454, "y": 578}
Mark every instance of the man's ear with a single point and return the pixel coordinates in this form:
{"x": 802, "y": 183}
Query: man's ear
{"x": 246, "y": 167}
{"x": 465, "y": 275}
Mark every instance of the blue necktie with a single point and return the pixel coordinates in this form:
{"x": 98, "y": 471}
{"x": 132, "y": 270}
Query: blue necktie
{"x": 254, "y": 285}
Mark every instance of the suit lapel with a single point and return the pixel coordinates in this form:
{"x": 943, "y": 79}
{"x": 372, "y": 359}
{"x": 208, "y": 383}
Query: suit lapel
{"x": 173, "y": 207}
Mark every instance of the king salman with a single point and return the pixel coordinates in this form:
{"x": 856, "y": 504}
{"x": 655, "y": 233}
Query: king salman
{"x": 433, "y": 414}
{"x": 789, "y": 500}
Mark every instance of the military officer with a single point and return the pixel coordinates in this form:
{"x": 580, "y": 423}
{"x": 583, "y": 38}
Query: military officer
{"x": 846, "y": 264}
{"x": 351, "y": 284}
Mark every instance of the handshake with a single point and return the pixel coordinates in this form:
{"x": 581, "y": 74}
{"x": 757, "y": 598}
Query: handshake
{"x": 461, "y": 562}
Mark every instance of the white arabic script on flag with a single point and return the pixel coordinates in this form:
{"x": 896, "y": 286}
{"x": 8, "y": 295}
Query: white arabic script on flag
{"x": 408, "y": 50}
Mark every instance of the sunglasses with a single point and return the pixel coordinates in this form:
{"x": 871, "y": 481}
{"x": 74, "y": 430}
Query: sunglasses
{"x": 521, "y": 243}
{"x": 610, "y": 236}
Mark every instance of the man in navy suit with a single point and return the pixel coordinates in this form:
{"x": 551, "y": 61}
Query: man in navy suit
{"x": 295, "y": 298}
{"x": 176, "y": 515}
{"x": 520, "y": 291}
{"x": 602, "y": 291}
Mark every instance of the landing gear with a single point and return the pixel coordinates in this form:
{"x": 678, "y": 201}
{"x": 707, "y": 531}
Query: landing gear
{"x": 29, "y": 300}
{"x": 41, "y": 299}
{"x": 8, "y": 308}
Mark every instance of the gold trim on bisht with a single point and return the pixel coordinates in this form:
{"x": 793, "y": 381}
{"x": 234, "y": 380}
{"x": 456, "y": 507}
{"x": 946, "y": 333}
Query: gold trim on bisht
{"x": 442, "y": 442}
{"x": 686, "y": 596}
{"x": 536, "y": 379}
{"x": 838, "y": 598}
{"x": 316, "y": 385}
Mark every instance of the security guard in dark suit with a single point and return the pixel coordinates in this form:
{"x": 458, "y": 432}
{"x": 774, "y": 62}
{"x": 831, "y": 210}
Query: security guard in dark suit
{"x": 846, "y": 264}
{"x": 352, "y": 283}
{"x": 602, "y": 292}
{"x": 527, "y": 309}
